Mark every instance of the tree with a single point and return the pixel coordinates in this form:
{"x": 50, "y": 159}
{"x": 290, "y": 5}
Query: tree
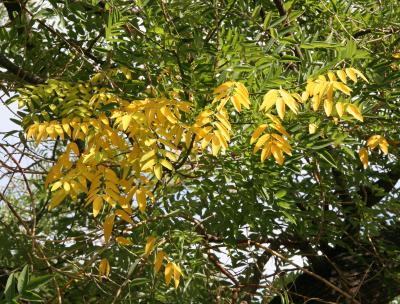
{"x": 193, "y": 151}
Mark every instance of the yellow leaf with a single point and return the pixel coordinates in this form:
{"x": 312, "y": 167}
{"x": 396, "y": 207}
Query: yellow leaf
{"x": 222, "y": 130}
{"x": 74, "y": 147}
{"x": 66, "y": 127}
{"x": 158, "y": 171}
{"x": 222, "y": 140}
{"x": 126, "y": 120}
{"x": 328, "y": 107}
{"x": 148, "y": 155}
{"x": 125, "y": 216}
{"x": 215, "y": 145}
{"x": 67, "y": 186}
{"x": 158, "y": 260}
{"x": 290, "y": 101}
{"x": 340, "y": 108}
{"x": 316, "y": 100}
{"x": 277, "y": 153}
{"x": 363, "y": 154}
{"x": 58, "y": 197}
{"x": 224, "y": 120}
{"x": 331, "y": 76}
{"x": 257, "y": 132}
{"x": 352, "y": 75}
{"x": 51, "y": 131}
{"x": 103, "y": 118}
{"x": 169, "y": 269}
{"x": 280, "y": 128}
{"x": 166, "y": 164}
{"x": 285, "y": 147}
{"x": 123, "y": 241}
{"x": 55, "y": 186}
{"x": 312, "y": 128}
{"x": 242, "y": 89}
{"x": 206, "y": 140}
{"x": 84, "y": 128}
{"x": 168, "y": 114}
{"x": 329, "y": 92}
{"x": 360, "y": 74}
{"x": 97, "y": 205}
{"x": 269, "y": 100}
{"x": 310, "y": 88}
{"x": 104, "y": 267}
{"x": 304, "y": 96}
{"x": 148, "y": 248}
{"x": 223, "y": 88}
{"x": 384, "y": 146}
{"x": 266, "y": 152}
{"x": 149, "y": 165}
{"x": 205, "y": 113}
{"x": 342, "y": 87}
{"x": 273, "y": 118}
{"x": 141, "y": 199}
{"x": 108, "y": 226}
{"x": 374, "y": 141}
{"x": 236, "y": 102}
{"x": 41, "y": 133}
{"x": 353, "y": 110}
{"x": 32, "y": 131}
{"x": 202, "y": 132}
{"x": 342, "y": 75}
{"x": 280, "y": 107}
{"x": 202, "y": 121}
{"x": 261, "y": 142}
{"x": 177, "y": 274}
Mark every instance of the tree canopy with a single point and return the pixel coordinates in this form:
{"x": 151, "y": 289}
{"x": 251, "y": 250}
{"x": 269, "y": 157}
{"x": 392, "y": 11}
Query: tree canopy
{"x": 223, "y": 151}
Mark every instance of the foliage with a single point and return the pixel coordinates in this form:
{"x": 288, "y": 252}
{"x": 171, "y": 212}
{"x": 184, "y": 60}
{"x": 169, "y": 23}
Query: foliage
{"x": 210, "y": 141}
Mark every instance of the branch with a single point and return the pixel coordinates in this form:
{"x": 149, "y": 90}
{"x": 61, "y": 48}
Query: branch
{"x": 12, "y": 6}
{"x": 19, "y": 72}
{"x": 282, "y": 12}
{"x": 280, "y": 6}
{"x": 310, "y": 273}
{"x": 213, "y": 258}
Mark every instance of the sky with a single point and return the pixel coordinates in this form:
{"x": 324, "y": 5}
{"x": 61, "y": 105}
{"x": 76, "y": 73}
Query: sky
{"x": 5, "y": 123}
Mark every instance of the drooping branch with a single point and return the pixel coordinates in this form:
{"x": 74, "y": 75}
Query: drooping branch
{"x": 19, "y": 72}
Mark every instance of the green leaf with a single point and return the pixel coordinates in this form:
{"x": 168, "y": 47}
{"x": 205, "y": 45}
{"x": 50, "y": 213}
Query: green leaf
{"x": 23, "y": 279}
{"x": 281, "y": 193}
{"x": 36, "y": 282}
{"x": 9, "y": 291}
{"x": 319, "y": 45}
{"x": 31, "y": 297}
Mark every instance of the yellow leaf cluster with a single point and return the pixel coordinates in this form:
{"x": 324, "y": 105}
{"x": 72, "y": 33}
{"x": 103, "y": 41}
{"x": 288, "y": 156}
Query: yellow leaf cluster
{"x": 172, "y": 270}
{"x": 323, "y": 89}
{"x": 213, "y": 125}
{"x": 378, "y": 140}
{"x": 232, "y": 91}
{"x": 140, "y": 137}
{"x": 373, "y": 142}
{"x": 271, "y": 143}
{"x": 280, "y": 98}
